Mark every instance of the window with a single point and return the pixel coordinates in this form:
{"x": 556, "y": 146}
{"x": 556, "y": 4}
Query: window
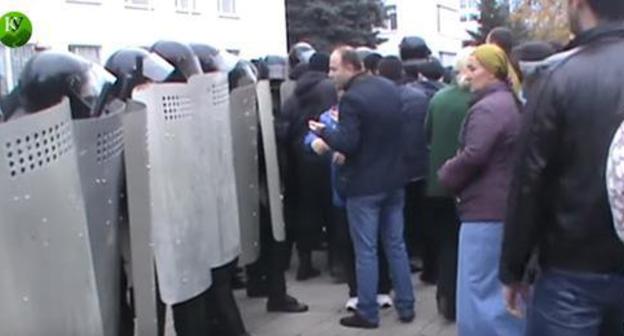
{"x": 92, "y": 53}
{"x": 234, "y": 52}
{"x": 227, "y": 7}
{"x": 186, "y": 6}
{"x": 447, "y": 58}
{"x": 86, "y": 2}
{"x": 448, "y": 21}
{"x": 139, "y": 4}
{"x": 19, "y": 57}
{"x": 391, "y": 17}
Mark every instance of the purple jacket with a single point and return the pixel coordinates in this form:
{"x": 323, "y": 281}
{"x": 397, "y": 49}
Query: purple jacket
{"x": 480, "y": 173}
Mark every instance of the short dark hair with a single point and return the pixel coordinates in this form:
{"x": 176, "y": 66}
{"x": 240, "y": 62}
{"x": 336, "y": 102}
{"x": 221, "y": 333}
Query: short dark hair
{"x": 319, "y": 62}
{"x": 611, "y": 10}
{"x": 532, "y": 51}
{"x": 349, "y": 56}
{"x": 391, "y": 68}
{"x": 371, "y": 62}
{"x": 432, "y": 69}
{"x": 502, "y": 37}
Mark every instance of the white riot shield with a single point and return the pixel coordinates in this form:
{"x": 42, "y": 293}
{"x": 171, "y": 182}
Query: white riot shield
{"x": 287, "y": 89}
{"x": 137, "y": 165}
{"x": 265, "y": 111}
{"x": 244, "y": 119}
{"x": 99, "y": 143}
{"x": 48, "y": 285}
{"x": 183, "y": 208}
{"x": 211, "y": 91}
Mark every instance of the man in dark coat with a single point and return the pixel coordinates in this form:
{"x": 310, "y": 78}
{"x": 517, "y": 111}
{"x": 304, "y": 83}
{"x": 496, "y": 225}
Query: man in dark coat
{"x": 372, "y": 179}
{"x": 314, "y": 94}
{"x": 558, "y": 202}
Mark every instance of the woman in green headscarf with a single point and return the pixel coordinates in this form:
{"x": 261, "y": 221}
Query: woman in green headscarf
{"x": 479, "y": 175}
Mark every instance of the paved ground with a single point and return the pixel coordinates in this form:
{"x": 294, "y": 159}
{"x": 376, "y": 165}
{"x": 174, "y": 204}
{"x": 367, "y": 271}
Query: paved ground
{"x": 326, "y": 302}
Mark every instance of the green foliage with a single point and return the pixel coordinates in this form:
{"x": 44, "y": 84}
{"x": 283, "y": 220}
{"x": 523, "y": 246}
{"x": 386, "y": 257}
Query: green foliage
{"x": 327, "y": 23}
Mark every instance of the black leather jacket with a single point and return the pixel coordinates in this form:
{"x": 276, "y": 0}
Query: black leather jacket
{"x": 558, "y": 203}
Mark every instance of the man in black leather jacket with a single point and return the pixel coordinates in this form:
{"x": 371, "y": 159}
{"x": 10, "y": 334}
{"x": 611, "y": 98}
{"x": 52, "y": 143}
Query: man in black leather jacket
{"x": 558, "y": 204}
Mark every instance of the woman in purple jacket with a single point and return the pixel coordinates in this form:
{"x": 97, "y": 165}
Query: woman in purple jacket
{"x": 479, "y": 175}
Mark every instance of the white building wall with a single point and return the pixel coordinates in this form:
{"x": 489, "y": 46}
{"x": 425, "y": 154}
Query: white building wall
{"x": 257, "y": 29}
{"x": 436, "y": 21}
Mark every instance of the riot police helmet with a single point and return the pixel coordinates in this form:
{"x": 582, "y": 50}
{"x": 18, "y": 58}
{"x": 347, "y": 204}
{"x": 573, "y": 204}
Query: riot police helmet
{"x": 243, "y": 73}
{"x": 134, "y": 67}
{"x": 210, "y": 58}
{"x": 182, "y": 58}
{"x": 300, "y": 53}
{"x": 51, "y": 75}
{"x": 413, "y": 47}
{"x": 278, "y": 66}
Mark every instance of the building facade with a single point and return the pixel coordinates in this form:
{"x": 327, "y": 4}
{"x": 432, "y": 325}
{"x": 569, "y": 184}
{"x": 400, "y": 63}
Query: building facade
{"x": 97, "y": 28}
{"x": 437, "y": 21}
{"x": 470, "y": 16}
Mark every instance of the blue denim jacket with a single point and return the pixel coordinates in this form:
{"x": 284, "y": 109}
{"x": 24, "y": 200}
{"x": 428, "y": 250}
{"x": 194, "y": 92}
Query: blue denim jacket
{"x": 330, "y": 123}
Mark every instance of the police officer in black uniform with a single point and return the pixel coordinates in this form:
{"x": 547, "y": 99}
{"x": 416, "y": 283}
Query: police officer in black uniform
{"x": 190, "y": 317}
{"x": 132, "y": 68}
{"x": 266, "y": 276}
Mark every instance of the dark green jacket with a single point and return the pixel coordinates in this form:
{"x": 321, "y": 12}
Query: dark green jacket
{"x": 447, "y": 111}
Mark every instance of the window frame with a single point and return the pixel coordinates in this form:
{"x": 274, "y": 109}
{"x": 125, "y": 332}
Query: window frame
{"x": 231, "y": 15}
{"x": 129, "y": 4}
{"x": 191, "y": 8}
{"x": 96, "y": 47}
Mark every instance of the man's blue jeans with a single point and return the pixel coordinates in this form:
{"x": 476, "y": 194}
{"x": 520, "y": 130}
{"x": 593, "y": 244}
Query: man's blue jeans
{"x": 568, "y": 303}
{"x": 368, "y": 216}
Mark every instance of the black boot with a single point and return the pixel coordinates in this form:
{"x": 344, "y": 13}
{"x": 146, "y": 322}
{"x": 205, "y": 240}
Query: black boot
{"x": 306, "y": 271}
{"x": 286, "y": 304}
{"x": 357, "y": 321}
{"x": 220, "y": 295}
{"x": 238, "y": 279}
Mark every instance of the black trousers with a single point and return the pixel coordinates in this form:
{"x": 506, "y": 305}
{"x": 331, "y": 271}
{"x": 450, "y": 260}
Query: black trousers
{"x": 420, "y": 239}
{"x": 313, "y": 204}
{"x": 347, "y": 254}
{"x": 127, "y": 314}
{"x": 446, "y": 224}
{"x": 190, "y": 318}
{"x": 225, "y": 317}
{"x": 274, "y": 257}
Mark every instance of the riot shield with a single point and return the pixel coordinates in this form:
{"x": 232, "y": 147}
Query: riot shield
{"x": 99, "y": 143}
{"x": 244, "y": 119}
{"x": 136, "y": 160}
{"x": 48, "y": 285}
{"x": 265, "y": 112}
{"x": 183, "y": 205}
{"x": 287, "y": 89}
{"x": 211, "y": 91}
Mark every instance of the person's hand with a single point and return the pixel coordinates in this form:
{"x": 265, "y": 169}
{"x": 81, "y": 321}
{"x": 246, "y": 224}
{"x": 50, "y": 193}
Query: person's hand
{"x": 339, "y": 158}
{"x": 514, "y": 295}
{"x": 319, "y": 147}
{"x": 316, "y": 126}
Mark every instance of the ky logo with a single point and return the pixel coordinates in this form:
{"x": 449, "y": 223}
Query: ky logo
{"x": 13, "y": 23}
{"x": 15, "y": 29}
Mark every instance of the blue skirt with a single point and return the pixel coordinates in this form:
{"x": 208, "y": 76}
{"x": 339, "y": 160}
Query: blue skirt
{"x": 480, "y": 304}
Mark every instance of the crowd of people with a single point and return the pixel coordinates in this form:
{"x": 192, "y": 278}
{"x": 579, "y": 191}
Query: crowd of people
{"x": 492, "y": 175}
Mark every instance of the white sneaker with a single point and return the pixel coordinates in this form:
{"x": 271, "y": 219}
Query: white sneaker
{"x": 351, "y": 304}
{"x": 384, "y": 301}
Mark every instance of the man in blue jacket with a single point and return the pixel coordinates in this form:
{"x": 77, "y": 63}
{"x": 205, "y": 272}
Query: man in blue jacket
{"x": 372, "y": 181}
